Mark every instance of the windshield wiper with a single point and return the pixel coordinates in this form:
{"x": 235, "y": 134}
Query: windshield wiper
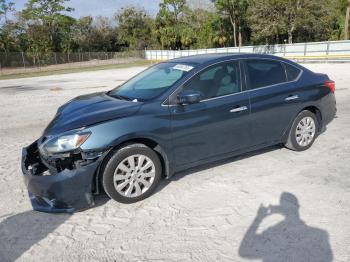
{"x": 122, "y": 97}
{"x": 119, "y": 96}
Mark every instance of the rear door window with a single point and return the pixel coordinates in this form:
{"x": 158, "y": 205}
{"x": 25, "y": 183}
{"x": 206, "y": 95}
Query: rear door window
{"x": 263, "y": 73}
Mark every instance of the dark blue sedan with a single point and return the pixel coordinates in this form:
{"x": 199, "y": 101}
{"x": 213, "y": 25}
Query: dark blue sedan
{"x": 173, "y": 116}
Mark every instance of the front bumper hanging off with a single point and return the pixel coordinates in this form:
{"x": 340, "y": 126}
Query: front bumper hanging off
{"x": 57, "y": 192}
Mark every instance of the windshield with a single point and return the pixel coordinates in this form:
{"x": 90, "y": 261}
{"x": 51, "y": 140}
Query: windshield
{"x": 151, "y": 82}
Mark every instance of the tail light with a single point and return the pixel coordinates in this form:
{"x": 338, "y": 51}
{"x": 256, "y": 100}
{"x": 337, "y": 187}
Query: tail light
{"x": 330, "y": 84}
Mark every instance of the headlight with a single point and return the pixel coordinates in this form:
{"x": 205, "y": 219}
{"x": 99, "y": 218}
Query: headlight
{"x": 64, "y": 143}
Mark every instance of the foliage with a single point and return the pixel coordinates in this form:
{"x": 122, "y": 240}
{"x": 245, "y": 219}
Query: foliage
{"x": 278, "y": 21}
{"x": 5, "y": 8}
{"x": 234, "y": 12}
{"x": 47, "y": 25}
{"x": 134, "y": 28}
{"x": 171, "y": 25}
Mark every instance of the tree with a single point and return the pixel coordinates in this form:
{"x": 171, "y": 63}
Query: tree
{"x": 292, "y": 10}
{"x": 265, "y": 19}
{"x": 45, "y": 10}
{"x": 346, "y": 23}
{"x": 236, "y": 12}
{"x": 220, "y": 36}
{"x": 82, "y": 32}
{"x": 104, "y": 35}
{"x": 45, "y": 26}
{"x": 314, "y": 21}
{"x": 304, "y": 20}
{"x": 135, "y": 28}
{"x": 65, "y": 34}
{"x": 169, "y": 23}
{"x": 204, "y": 27}
{"x": 50, "y": 15}
{"x": 8, "y": 39}
{"x": 5, "y": 8}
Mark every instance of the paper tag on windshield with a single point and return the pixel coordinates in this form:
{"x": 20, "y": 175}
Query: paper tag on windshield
{"x": 185, "y": 68}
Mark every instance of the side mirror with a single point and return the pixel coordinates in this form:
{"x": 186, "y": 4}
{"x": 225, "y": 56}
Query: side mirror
{"x": 189, "y": 97}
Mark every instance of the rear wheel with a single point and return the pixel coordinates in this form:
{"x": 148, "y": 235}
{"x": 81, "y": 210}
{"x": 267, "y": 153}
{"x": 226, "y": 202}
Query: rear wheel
{"x": 303, "y": 131}
{"x": 132, "y": 173}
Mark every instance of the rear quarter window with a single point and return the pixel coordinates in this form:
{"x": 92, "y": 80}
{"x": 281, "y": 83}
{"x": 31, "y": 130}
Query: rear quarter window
{"x": 292, "y": 72}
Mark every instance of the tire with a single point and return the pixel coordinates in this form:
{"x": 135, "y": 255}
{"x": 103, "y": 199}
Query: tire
{"x": 295, "y": 139}
{"x": 122, "y": 182}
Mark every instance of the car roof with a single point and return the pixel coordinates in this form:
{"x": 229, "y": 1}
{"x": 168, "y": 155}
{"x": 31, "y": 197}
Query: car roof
{"x": 217, "y": 57}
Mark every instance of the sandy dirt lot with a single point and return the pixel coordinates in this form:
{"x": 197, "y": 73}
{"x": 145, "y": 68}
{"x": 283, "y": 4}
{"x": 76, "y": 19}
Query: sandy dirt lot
{"x": 207, "y": 214}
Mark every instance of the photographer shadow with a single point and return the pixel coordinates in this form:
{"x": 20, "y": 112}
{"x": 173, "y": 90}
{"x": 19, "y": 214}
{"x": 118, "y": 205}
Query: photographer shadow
{"x": 289, "y": 240}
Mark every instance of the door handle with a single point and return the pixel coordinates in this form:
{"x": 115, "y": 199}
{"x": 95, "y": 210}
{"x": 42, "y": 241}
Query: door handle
{"x": 238, "y": 109}
{"x": 292, "y": 97}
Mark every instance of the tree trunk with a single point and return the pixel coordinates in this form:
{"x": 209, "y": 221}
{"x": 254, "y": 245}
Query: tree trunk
{"x": 233, "y": 23}
{"x": 240, "y": 41}
{"x": 290, "y": 33}
{"x": 347, "y": 18}
{"x": 234, "y": 34}
{"x": 290, "y": 37}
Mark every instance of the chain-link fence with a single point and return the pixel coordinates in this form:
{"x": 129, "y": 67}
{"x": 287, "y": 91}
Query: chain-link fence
{"x": 19, "y": 62}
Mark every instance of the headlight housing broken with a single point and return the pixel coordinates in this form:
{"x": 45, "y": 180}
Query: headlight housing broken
{"x": 65, "y": 142}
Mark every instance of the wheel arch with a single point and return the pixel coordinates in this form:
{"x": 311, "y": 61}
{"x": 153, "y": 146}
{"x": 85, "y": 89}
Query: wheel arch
{"x": 312, "y": 108}
{"x": 315, "y": 110}
{"x": 151, "y": 143}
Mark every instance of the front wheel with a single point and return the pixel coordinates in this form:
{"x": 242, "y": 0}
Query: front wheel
{"x": 303, "y": 131}
{"x": 132, "y": 173}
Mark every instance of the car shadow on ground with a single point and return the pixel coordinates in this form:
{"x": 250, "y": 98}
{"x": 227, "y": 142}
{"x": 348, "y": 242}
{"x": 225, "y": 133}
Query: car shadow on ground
{"x": 289, "y": 240}
{"x": 18, "y": 233}
{"x": 102, "y": 198}
{"x": 179, "y": 175}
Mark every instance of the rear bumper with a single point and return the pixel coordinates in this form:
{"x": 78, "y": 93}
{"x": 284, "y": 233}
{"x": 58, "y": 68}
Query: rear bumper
{"x": 328, "y": 109}
{"x": 65, "y": 191}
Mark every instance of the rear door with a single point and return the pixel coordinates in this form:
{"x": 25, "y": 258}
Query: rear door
{"x": 219, "y": 123}
{"x": 273, "y": 99}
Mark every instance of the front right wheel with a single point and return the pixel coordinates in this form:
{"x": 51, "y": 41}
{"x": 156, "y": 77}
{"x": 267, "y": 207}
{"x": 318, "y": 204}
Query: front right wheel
{"x": 303, "y": 131}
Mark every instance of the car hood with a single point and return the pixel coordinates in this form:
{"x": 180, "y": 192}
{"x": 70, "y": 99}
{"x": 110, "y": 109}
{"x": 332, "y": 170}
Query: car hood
{"x": 87, "y": 110}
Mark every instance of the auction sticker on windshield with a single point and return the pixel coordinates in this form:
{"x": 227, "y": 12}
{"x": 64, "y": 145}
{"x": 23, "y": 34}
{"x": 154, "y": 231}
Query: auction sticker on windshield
{"x": 185, "y": 68}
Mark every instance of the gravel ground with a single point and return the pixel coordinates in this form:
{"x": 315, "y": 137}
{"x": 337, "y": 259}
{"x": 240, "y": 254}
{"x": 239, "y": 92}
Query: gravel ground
{"x": 207, "y": 214}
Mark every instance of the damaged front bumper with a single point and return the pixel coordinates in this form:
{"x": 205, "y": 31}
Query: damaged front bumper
{"x": 59, "y": 190}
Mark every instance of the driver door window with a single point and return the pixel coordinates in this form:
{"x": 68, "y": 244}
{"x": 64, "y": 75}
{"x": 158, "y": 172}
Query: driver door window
{"x": 218, "y": 80}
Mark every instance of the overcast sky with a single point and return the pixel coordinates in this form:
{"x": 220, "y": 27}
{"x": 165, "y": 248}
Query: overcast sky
{"x": 102, "y": 7}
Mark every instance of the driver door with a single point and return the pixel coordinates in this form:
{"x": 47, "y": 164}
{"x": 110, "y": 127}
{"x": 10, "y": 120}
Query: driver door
{"x": 219, "y": 123}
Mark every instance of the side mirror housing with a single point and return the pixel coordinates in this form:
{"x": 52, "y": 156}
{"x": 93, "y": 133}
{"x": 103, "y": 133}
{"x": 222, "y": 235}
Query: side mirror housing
{"x": 189, "y": 97}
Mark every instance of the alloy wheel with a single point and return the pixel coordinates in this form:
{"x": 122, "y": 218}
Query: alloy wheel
{"x": 305, "y": 131}
{"x": 134, "y": 176}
